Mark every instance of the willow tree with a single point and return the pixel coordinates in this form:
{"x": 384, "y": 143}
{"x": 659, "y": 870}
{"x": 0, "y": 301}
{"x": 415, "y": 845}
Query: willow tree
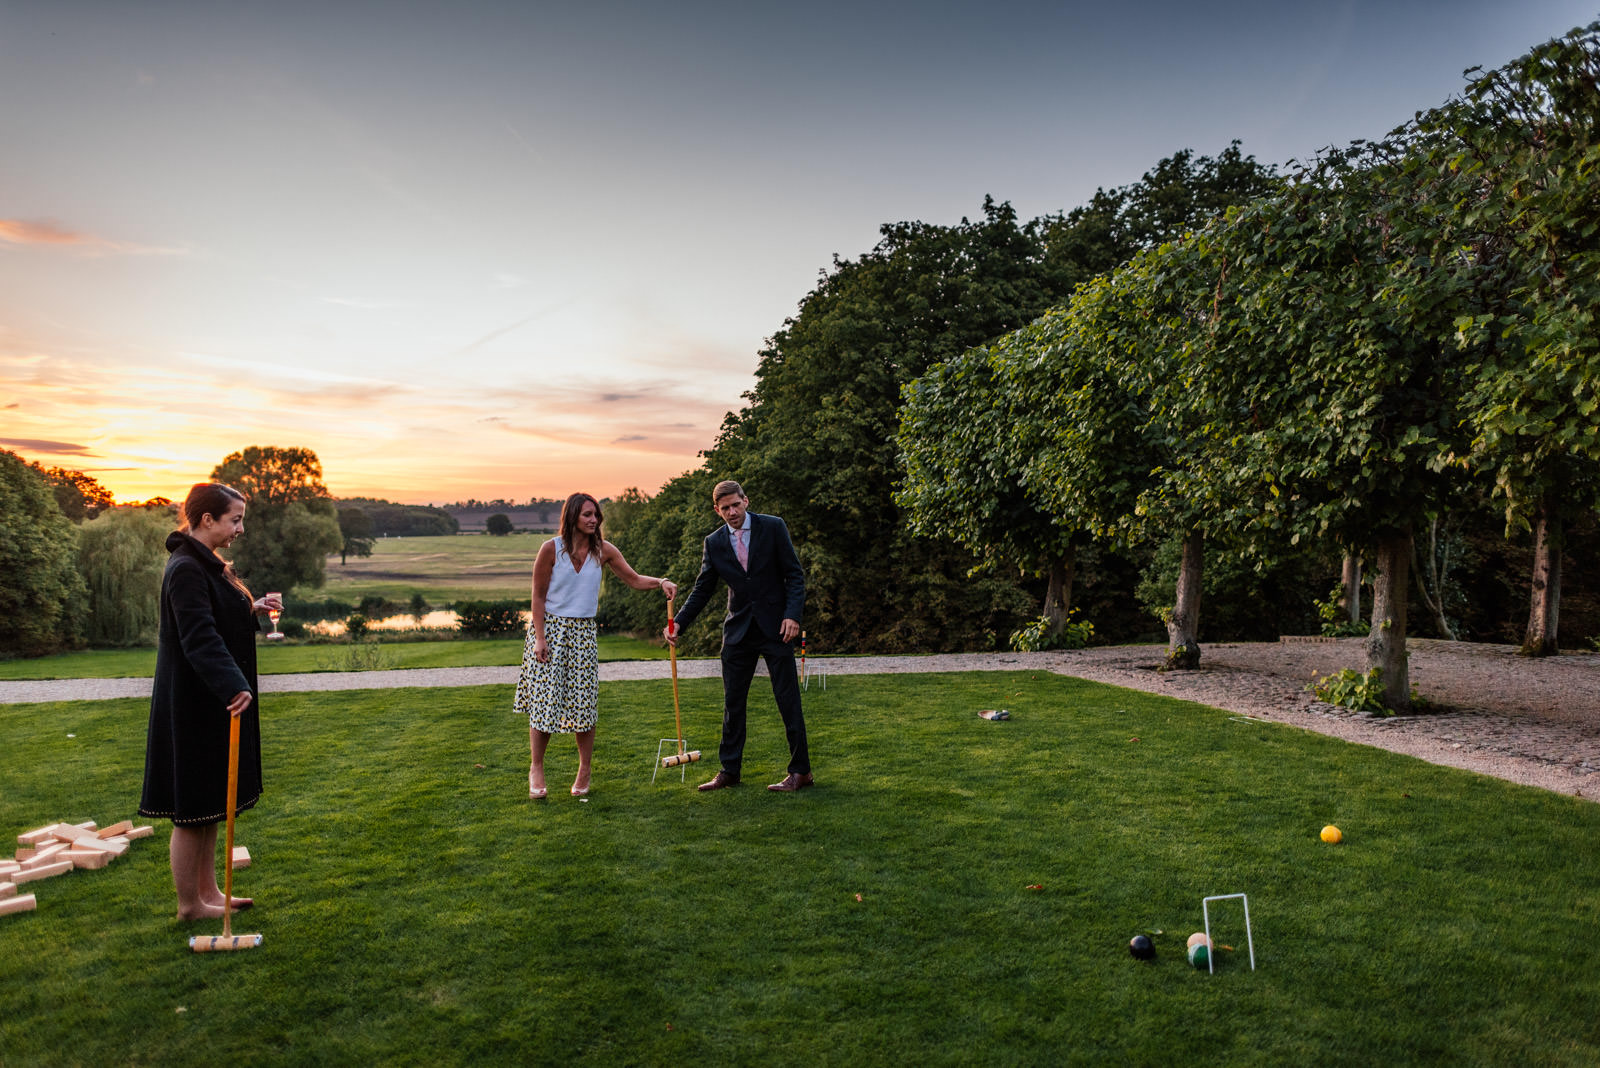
{"x": 122, "y": 553}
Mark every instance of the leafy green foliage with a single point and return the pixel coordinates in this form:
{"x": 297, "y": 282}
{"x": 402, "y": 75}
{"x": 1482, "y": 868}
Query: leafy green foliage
{"x": 122, "y": 554}
{"x": 291, "y": 524}
{"x": 1335, "y": 621}
{"x": 1351, "y": 689}
{"x": 498, "y": 524}
{"x": 78, "y": 495}
{"x": 355, "y": 527}
{"x": 1042, "y": 634}
{"x": 487, "y": 619}
{"x": 42, "y": 595}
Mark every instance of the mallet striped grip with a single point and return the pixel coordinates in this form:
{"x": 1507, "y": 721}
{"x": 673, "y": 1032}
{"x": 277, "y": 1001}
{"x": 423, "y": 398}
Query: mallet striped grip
{"x": 221, "y": 943}
{"x": 680, "y": 758}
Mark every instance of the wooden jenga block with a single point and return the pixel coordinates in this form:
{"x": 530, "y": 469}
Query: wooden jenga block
{"x": 88, "y": 825}
{"x": 71, "y": 832}
{"x": 9, "y": 867}
{"x": 115, "y": 846}
{"x": 122, "y": 827}
{"x": 35, "y": 837}
{"x": 8, "y": 890}
{"x": 241, "y": 857}
{"x": 44, "y": 855}
{"x": 92, "y": 859}
{"x": 26, "y": 852}
{"x": 141, "y": 832}
{"x": 24, "y": 903}
{"x": 43, "y": 872}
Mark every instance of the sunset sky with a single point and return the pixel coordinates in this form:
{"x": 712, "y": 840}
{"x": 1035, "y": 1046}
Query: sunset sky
{"x": 518, "y": 249}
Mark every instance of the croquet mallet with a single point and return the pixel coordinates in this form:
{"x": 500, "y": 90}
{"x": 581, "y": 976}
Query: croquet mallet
{"x": 228, "y": 940}
{"x": 672, "y": 760}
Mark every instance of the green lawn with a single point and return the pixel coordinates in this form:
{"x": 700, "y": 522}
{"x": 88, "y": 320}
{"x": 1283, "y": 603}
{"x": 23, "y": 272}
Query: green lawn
{"x": 287, "y": 659}
{"x": 417, "y": 908}
{"x": 462, "y": 567}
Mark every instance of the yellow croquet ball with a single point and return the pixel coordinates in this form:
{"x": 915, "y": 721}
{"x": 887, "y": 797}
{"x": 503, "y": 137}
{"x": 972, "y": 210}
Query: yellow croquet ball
{"x": 1331, "y": 835}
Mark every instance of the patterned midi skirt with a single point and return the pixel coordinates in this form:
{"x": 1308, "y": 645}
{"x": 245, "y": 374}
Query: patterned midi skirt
{"x": 561, "y": 696}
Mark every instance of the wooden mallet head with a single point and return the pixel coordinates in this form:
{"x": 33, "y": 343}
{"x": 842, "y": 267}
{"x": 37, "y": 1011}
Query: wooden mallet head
{"x": 220, "y": 943}
{"x": 680, "y": 758}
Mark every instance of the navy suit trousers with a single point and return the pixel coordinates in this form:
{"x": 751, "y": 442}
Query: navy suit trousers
{"x": 738, "y": 668}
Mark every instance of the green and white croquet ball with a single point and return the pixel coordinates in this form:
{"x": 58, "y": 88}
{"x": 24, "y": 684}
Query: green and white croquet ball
{"x": 1199, "y": 950}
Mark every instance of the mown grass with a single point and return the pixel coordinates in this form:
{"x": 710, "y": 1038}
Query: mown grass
{"x": 417, "y": 908}
{"x": 463, "y": 567}
{"x": 275, "y": 659}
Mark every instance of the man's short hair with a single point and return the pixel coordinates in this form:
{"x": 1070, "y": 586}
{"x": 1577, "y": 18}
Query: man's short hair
{"x": 727, "y": 487}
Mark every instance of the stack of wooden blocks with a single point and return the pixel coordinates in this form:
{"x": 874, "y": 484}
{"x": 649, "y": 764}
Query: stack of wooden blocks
{"x": 58, "y": 849}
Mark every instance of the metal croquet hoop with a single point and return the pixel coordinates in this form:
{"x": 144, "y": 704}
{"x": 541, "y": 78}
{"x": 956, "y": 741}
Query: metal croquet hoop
{"x": 1205, "y": 910}
{"x": 820, "y": 669}
{"x": 678, "y": 746}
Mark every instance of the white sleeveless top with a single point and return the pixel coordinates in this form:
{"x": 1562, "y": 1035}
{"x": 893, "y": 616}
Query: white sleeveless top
{"x": 572, "y": 593}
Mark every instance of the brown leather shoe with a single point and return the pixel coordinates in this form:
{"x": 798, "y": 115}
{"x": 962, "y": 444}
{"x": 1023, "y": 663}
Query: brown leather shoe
{"x": 792, "y": 782}
{"x": 720, "y": 781}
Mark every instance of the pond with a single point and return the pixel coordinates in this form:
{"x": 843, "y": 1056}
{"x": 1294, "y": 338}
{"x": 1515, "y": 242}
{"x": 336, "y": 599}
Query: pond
{"x": 439, "y": 619}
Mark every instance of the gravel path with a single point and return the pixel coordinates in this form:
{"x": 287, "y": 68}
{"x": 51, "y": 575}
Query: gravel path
{"x": 1535, "y": 722}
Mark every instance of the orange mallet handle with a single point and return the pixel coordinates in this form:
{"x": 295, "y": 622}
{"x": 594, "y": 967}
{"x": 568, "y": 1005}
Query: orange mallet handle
{"x": 233, "y": 801}
{"x": 677, "y": 716}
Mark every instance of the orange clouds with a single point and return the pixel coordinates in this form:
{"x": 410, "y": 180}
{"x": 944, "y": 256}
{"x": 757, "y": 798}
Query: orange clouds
{"x": 46, "y": 232}
{"x": 51, "y": 233}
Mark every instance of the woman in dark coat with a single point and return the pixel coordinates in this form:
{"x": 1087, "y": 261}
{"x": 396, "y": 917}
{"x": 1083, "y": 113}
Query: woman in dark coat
{"x": 205, "y": 673}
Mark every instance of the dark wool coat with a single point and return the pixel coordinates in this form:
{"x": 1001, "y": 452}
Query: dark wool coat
{"x": 206, "y": 654}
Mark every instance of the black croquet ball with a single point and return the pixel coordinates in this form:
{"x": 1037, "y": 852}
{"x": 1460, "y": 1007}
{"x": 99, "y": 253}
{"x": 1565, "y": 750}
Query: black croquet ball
{"x": 1141, "y": 947}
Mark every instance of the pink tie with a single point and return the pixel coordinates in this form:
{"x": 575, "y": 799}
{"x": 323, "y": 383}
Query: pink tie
{"x": 741, "y": 550}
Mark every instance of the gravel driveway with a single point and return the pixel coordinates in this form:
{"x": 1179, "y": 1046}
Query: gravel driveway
{"x": 1535, "y": 722}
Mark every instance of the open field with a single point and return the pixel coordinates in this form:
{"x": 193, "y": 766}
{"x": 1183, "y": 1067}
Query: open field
{"x": 285, "y": 659}
{"x": 953, "y": 891}
{"x": 463, "y": 567}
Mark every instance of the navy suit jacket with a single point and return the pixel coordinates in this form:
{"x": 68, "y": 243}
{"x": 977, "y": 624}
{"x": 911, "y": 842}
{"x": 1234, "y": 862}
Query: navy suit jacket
{"x": 772, "y": 590}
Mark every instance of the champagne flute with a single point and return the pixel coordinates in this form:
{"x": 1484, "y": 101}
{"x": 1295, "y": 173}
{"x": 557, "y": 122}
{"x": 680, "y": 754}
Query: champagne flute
{"x": 273, "y": 613}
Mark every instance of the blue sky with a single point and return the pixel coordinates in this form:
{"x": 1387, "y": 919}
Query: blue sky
{"x": 518, "y": 249}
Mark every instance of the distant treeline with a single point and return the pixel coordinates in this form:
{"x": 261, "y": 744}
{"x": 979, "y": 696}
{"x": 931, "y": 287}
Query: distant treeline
{"x": 536, "y": 513}
{"x": 390, "y": 520}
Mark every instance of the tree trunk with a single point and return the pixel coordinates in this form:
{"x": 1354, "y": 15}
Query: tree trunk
{"x": 1350, "y": 577}
{"x": 1386, "y": 644}
{"x": 1431, "y": 576}
{"x": 1543, "y": 613}
{"x": 1183, "y": 626}
{"x": 1058, "y": 594}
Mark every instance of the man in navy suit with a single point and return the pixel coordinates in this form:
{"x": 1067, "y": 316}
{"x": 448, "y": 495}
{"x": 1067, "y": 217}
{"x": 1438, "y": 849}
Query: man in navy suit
{"x": 753, "y": 556}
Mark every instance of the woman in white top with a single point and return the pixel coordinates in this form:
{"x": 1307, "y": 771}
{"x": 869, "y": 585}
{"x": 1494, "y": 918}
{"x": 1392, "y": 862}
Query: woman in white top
{"x": 559, "y": 688}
